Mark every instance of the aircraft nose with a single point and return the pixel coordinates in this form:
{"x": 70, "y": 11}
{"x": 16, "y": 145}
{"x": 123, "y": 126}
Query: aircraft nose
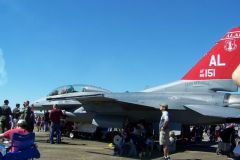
{"x": 39, "y": 102}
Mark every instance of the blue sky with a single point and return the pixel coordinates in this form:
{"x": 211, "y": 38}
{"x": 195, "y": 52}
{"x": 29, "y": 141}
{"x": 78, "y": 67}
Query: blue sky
{"x": 116, "y": 44}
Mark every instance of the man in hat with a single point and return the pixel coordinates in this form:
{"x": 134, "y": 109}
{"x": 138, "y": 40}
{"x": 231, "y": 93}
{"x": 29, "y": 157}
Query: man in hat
{"x": 164, "y": 131}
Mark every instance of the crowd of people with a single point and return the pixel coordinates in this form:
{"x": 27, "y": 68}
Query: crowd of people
{"x": 42, "y": 121}
{"x": 50, "y": 121}
{"x": 9, "y": 118}
{"x": 14, "y": 121}
{"x": 135, "y": 140}
{"x": 227, "y": 136}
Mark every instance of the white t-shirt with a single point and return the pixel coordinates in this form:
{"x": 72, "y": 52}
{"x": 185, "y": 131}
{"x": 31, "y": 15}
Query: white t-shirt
{"x": 164, "y": 119}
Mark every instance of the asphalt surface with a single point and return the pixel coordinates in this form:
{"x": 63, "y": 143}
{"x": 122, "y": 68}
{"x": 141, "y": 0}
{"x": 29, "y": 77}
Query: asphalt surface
{"x": 79, "y": 149}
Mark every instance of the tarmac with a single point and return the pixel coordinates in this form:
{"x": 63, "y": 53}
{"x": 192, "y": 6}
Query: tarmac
{"x": 80, "y": 149}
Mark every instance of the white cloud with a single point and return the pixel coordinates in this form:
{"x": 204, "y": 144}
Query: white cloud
{"x": 3, "y": 73}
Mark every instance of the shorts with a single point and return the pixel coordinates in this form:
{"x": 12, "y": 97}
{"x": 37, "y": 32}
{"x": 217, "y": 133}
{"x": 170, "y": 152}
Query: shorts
{"x": 164, "y": 137}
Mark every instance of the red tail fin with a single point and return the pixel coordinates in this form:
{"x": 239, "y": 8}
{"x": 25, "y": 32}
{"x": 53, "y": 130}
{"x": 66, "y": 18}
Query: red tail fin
{"x": 221, "y": 61}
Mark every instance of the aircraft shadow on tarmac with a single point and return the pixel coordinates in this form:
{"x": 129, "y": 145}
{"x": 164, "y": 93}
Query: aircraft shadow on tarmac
{"x": 98, "y": 153}
{"x": 65, "y": 143}
{"x": 203, "y": 147}
{"x": 157, "y": 154}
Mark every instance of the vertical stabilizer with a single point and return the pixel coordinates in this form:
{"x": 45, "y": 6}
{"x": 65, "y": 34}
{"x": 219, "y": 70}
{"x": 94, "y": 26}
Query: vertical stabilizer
{"x": 221, "y": 61}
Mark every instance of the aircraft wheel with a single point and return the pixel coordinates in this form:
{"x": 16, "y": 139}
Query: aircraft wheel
{"x": 117, "y": 139}
{"x": 71, "y": 135}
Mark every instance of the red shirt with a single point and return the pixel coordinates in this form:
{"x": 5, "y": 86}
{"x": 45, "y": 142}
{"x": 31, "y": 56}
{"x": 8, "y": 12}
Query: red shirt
{"x": 8, "y": 134}
{"x": 55, "y": 115}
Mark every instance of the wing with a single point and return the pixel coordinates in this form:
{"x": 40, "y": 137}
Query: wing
{"x": 119, "y": 101}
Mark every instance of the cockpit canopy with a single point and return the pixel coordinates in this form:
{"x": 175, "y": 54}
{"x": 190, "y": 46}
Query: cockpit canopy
{"x": 76, "y": 88}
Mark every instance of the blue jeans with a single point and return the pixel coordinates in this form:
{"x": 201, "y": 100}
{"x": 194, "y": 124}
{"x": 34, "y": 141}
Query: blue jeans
{"x": 46, "y": 126}
{"x": 55, "y": 127}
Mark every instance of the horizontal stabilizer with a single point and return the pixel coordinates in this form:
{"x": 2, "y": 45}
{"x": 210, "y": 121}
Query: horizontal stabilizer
{"x": 215, "y": 111}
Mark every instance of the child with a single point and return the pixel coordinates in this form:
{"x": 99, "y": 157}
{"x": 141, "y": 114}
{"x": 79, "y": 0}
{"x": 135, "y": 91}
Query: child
{"x": 172, "y": 142}
{"x": 149, "y": 145}
{"x": 38, "y": 124}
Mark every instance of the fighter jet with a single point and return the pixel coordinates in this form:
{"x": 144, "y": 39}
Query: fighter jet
{"x": 205, "y": 95}
{"x": 73, "y": 109}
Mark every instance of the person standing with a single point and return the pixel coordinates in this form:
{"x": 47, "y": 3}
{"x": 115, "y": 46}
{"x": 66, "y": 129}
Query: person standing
{"x": 16, "y": 114}
{"x": 164, "y": 131}
{"x": 55, "y": 117}
{"x": 26, "y": 115}
{"x": 5, "y": 116}
{"x": 32, "y": 118}
{"x": 38, "y": 123}
{"x": 46, "y": 121}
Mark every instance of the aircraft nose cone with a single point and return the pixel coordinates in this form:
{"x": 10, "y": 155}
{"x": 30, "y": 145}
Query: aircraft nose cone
{"x": 39, "y": 102}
